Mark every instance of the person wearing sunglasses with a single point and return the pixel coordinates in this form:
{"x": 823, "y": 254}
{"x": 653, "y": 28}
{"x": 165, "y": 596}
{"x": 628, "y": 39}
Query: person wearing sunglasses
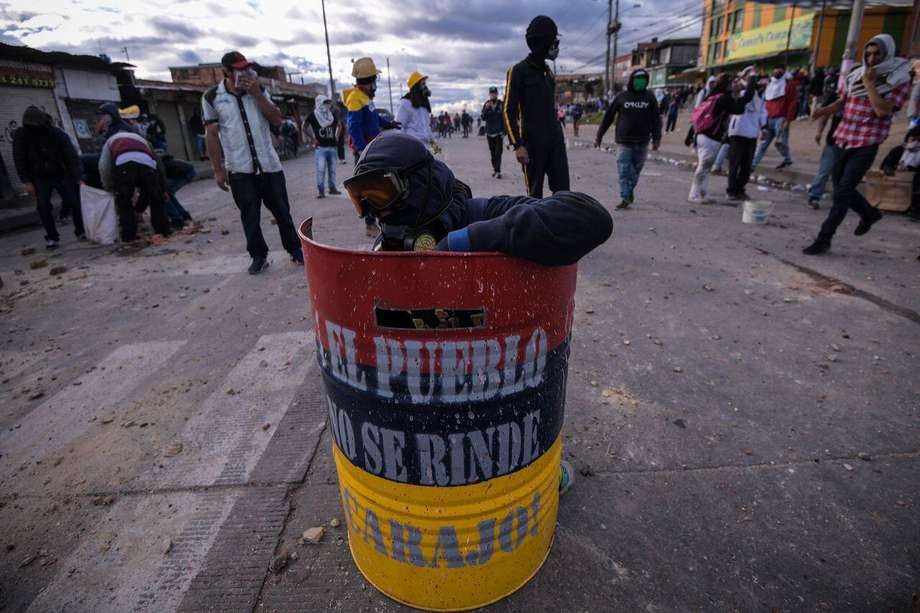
{"x": 530, "y": 112}
{"x": 419, "y": 205}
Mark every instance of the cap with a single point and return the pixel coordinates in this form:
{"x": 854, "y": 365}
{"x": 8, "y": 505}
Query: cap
{"x": 493, "y": 90}
{"x": 130, "y": 112}
{"x": 414, "y": 78}
{"x": 364, "y": 68}
{"x": 235, "y": 60}
{"x": 34, "y": 116}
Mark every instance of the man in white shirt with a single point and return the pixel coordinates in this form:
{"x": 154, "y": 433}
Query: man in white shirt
{"x": 238, "y": 118}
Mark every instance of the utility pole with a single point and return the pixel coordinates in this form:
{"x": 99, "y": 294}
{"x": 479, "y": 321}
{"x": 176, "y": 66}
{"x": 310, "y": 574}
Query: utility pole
{"x": 328, "y": 55}
{"x": 616, "y": 36}
{"x": 607, "y": 63}
{"x": 789, "y": 37}
{"x": 849, "y": 51}
{"x": 127, "y": 57}
{"x": 390, "y": 85}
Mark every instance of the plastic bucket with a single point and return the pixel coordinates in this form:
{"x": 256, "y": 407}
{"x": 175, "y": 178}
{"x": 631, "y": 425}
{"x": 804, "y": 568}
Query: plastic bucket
{"x": 756, "y": 211}
{"x": 445, "y": 386}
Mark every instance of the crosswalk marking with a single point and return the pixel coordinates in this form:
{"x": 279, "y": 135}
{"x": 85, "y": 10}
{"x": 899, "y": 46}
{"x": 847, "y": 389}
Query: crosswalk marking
{"x": 69, "y": 413}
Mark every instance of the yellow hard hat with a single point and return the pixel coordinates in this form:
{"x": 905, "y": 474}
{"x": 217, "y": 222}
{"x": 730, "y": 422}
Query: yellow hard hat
{"x": 130, "y": 112}
{"x": 415, "y": 77}
{"x": 364, "y": 67}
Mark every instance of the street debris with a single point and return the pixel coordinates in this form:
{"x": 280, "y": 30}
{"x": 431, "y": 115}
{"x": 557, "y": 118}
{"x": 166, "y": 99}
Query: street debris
{"x": 265, "y": 427}
{"x": 57, "y": 270}
{"x": 27, "y": 251}
{"x": 169, "y": 547}
{"x": 279, "y": 563}
{"x": 312, "y": 535}
{"x": 39, "y": 263}
{"x": 334, "y": 522}
{"x": 865, "y": 457}
{"x": 103, "y": 501}
{"x": 848, "y": 466}
{"x": 173, "y": 450}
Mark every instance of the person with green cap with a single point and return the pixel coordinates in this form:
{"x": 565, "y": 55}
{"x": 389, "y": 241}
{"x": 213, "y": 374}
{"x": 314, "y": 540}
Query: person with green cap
{"x": 530, "y": 112}
{"x": 638, "y": 121}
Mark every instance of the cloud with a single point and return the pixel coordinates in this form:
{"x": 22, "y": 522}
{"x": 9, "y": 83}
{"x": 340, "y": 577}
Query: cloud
{"x": 464, "y": 45}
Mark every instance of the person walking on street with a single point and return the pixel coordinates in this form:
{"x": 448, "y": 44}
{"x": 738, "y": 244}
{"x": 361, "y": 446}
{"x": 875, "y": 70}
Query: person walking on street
{"x": 826, "y": 163}
{"x": 47, "y": 161}
{"x": 710, "y": 122}
{"x": 414, "y": 114}
{"x": 127, "y": 163}
{"x": 577, "y": 112}
{"x": 495, "y": 129}
{"x": 782, "y": 104}
{"x": 530, "y": 112}
{"x": 673, "y": 111}
{"x": 466, "y": 120}
{"x": 742, "y": 138}
{"x": 637, "y": 122}
{"x": 872, "y": 94}
{"x": 238, "y": 118}
{"x": 326, "y": 129}
{"x": 196, "y": 127}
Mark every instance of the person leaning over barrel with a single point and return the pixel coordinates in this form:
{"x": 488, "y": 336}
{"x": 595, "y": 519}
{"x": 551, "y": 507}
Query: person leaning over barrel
{"x": 420, "y": 205}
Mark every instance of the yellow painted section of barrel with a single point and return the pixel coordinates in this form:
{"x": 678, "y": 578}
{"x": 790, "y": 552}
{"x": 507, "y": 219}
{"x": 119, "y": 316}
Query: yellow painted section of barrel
{"x": 464, "y": 508}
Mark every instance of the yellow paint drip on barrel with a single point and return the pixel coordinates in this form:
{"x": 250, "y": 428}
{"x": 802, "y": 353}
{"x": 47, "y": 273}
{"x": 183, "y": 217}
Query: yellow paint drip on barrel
{"x": 451, "y": 548}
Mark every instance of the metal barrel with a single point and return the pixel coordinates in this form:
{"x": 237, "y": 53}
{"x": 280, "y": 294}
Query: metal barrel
{"x": 445, "y": 386}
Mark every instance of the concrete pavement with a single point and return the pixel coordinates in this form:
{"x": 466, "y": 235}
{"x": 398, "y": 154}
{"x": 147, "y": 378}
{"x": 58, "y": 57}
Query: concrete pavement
{"x": 744, "y": 418}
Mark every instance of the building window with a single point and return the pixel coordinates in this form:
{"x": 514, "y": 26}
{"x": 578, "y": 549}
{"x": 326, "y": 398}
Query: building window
{"x": 738, "y": 26}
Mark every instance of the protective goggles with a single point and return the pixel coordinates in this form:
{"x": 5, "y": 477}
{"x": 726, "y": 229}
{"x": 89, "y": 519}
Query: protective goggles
{"x": 379, "y": 192}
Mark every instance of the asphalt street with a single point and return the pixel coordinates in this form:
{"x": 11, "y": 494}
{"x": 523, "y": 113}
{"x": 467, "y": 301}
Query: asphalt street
{"x": 744, "y": 419}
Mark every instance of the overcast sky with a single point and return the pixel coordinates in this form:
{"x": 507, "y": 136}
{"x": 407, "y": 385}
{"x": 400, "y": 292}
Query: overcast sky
{"x": 464, "y": 45}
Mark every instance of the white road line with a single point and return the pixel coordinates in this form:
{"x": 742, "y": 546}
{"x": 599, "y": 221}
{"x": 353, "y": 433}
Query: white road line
{"x": 66, "y": 415}
{"x": 223, "y": 442}
{"x": 226, "y": 437}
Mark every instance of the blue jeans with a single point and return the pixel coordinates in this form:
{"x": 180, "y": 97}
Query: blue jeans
{"x": 629, "y": 164}
{"x": 720, "y": 158}
{"x": 825, "y": 166}
{"x": 325, "y": 163}
{"x": 782, "y": 141}
{"x": 178, "y": 174}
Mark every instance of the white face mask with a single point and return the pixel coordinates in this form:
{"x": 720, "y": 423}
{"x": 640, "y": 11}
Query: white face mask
{"x": 553, "y": 52}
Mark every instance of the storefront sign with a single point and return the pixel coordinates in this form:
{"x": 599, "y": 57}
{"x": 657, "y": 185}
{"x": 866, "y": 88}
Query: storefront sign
{"x": 21, "y": 74}
{"x": 771, "y": 39}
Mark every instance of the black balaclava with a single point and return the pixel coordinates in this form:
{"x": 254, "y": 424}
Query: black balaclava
{"x": 638, "y": 72}
{"x": 541, "y": 34}
{"x": 418, "y": 95}
{"x": 433, "y": 191}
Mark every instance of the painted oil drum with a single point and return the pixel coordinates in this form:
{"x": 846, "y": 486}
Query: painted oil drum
{"x": 445, "y": 386}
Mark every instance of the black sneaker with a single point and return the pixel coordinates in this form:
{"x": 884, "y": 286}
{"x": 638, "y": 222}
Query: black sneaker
{"x": 52, "y": 244}
{"x": 866, "y": 224}
{"x": 498, "y": 175}
{"x": 783, "y": 164}
{"x": 624, "y": 203}
{"x": 297, "y": 256}
{"x": 817, "y": 248}
{"x": 334, "y": 192}
{"x": 814, "y": 203}
{"x": 81, "y": 237}
{"x": 258, "y": 265}
{"x": 320, "y": 195}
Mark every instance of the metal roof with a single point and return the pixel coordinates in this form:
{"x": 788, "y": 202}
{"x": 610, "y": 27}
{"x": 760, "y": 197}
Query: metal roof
{"x": 21, "y": 53}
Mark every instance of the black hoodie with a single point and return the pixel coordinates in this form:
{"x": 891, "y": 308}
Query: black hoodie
{"x": 636, "y": 113}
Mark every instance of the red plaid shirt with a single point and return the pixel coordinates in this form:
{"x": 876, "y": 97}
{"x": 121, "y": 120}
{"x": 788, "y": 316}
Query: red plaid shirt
{"x": 860, "y": 126}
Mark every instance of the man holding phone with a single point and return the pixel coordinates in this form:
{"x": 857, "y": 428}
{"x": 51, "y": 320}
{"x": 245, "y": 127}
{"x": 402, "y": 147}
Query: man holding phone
{"x": 238, "y": 117}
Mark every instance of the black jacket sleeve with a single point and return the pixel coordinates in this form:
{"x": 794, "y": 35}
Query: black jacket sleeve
{"x": 609, "y": 117}
{"x": 21, "y": 157}
{"x": 69, "y": 155}
{"x": 554, "y": 231}
{"x": 514, "y": 87}
{"x": 728, "y": 104}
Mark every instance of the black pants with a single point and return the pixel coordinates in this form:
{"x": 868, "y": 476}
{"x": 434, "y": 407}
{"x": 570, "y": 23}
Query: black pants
{"x": 149, "y": 182}
{"x": 672, "y": 123}
{"x": 495, "y": 150}
{"x": 547, "y": 160}
{"x": 69, "y": 191}
{"x": 340, "y": 147}
{"x": 850, "y": 165}
{"x": 250, "y": 192}
{"x": 740, "y": 156}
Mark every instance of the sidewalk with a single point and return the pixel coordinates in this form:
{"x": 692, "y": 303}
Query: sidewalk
{"x": 23, "y": 214}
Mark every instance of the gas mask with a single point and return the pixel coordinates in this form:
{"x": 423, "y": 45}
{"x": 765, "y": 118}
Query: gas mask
{"x": 425, "y": 91}
{"x": 640, "y": 84}
{"x": 553, "y": 52}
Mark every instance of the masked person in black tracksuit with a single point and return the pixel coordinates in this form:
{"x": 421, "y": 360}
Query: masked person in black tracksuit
{"x": 638, "y": 121}
{"x": 495, "y": 129}
{"x": 419, "y": 205}
{"x": 530, "y": 112}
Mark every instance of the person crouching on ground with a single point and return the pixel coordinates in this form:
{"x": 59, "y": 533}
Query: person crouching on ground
{"x": 420, "y": 205}
{"x": 906, "y": 159}
{"x": 873, "y": 92}
{"x": 638, "y": 121}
